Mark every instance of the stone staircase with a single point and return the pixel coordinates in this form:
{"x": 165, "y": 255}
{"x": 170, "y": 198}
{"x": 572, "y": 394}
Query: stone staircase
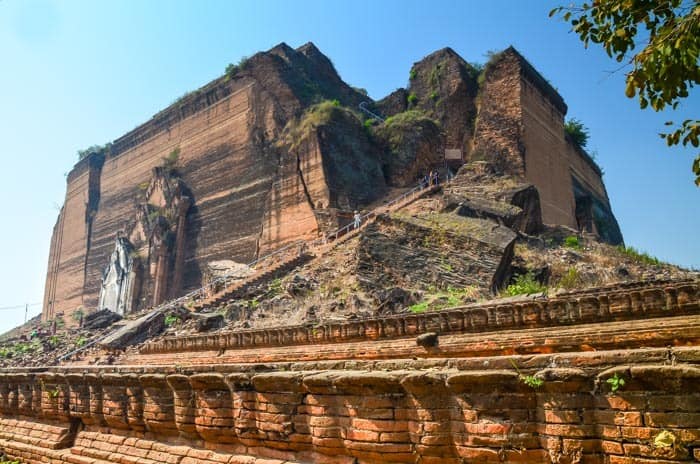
{"x": 307, "y": 251}
{"x": 266, "y": 274}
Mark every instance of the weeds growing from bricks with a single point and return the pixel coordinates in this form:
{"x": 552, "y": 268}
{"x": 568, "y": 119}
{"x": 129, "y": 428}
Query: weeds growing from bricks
{"x": 529, "y": 380}
{"x": 616, "y": 382}
{"x": 525, "y": 284}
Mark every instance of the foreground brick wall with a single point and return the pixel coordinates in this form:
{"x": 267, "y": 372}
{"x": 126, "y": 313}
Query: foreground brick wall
{"x": 531, "y": 382}
{"x": 420, "y": 413}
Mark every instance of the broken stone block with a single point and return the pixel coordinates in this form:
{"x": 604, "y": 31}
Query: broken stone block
{"x": 485, "y": 208}
{"x": 393, "y": 300}
{"x": 135, "y": 331}
{"x": 527, "y": 198}
{"x": 209, "y": 322}
{"x": 427, "y": 340}
{"x": 100, "y": 319}
{"x": 434, "y": 250}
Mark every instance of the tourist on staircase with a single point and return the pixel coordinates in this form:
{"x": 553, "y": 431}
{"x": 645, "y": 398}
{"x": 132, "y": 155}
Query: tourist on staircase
{"x": 357, "y": 220}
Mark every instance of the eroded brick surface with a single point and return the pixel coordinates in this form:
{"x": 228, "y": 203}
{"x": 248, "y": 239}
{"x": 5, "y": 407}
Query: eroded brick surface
{"x": 608, "y": 372}
{"x": 640, "y": 301}
{"x": 290, "y": 413}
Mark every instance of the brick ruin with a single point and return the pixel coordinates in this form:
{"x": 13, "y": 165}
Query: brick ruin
{"x": 600, "y": 376}
{"x": 251, "y": 163}
{"x": 213, "y": 178}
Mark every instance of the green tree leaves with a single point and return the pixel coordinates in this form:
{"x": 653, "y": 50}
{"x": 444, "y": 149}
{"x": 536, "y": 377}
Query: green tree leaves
{"x": 577, "y": 131}
{"x": 665, "y": 68}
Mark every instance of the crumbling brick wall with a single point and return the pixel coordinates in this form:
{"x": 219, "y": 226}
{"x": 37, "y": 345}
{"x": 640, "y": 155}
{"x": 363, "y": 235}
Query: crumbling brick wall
{"x": 445, "y": 415}
{"x": 520, "y": 128}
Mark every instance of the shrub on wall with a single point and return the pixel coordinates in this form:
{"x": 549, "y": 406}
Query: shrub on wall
{"x": 577, "y": 131}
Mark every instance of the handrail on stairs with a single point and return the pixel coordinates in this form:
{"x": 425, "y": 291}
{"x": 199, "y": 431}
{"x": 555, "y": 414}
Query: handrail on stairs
{"x": 202, "y": 291}
{"x": 370, "y": 113}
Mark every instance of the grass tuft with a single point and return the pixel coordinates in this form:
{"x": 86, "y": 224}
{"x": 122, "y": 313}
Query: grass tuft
{"x": 525, "y": 284}
{"x": 639, "y": 256}
{"x": 572, "y": 242}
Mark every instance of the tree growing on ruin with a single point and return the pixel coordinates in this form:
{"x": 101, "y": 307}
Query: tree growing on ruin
{"x": 660, "y": 40}
{"x": 577, "y": 131}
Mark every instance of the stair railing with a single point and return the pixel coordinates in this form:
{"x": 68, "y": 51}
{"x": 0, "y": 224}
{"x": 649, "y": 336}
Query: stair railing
{"x": 202, "y": 292}
{"x": 367, "y": 111}
{"x": 205, "y": 290}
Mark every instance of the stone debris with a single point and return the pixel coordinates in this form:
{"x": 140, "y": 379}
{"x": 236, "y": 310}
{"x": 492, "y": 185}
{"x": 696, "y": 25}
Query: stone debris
{"x": 135, "y": 331}
{"x": 427, "y": 340}
{"x": 100, "y": 319}
{"x": 209, "y": 322}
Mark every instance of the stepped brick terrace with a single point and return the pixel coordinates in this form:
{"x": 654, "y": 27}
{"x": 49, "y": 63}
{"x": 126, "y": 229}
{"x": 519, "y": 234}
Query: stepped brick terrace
{"x": 464, "y": 393}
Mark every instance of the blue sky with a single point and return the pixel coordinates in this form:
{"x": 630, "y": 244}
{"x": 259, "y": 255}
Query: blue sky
{"x": 78, "y": 73}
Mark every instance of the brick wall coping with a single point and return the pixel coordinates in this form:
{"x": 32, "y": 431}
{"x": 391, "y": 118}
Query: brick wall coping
{"x": 589, "y": 361}
{"x": 636, "y": 300}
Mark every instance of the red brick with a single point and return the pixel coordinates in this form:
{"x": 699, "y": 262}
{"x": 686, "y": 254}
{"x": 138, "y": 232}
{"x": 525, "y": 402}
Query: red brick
{"x": 611, "y": 447}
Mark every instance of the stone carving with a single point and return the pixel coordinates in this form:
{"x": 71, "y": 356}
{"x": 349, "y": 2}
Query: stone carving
{"x": 146, "y": 265}
{"x": 118, "y": 279}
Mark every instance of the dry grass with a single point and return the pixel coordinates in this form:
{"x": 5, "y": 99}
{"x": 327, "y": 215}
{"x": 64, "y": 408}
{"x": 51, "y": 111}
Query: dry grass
{"x": 591, "y": 264}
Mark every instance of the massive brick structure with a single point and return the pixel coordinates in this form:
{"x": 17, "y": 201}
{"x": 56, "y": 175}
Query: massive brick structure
{"x": 518, "y": 99}
{"x": 276, "y": 155}
{"x": 223, "y": 174}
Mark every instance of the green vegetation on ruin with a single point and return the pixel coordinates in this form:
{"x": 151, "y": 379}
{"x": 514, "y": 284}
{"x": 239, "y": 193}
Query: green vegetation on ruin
{"x": 234, "y": 68}
{"x": 20, "y": 348}
{"x": 171, "y": 320}
{"x": 170, "y": 161}
{"x": 572, "y": 242}
{"x": 571, "y": 280}
{"x": 179, "y": 100}
{"x": 637, "y": 255}
{"x": 434, "y": 80}
{"x": 616, "y": 382}
{"x": 525, "y": 284}
{"x": 492, "y": 58}
{"x": 475, "y": 69}
{"x": 275, "y": 287}
{"x": 97, "y": 149}
{"x": 78, "y": 314}
{"x": 529, "y": 380}
{"x": 577, "y": 132}
{"x": 400, "y": 128}
{"x": 315, "y": 116}
{"x": 435, "y": 299}
{"x": 407, "y": 119}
